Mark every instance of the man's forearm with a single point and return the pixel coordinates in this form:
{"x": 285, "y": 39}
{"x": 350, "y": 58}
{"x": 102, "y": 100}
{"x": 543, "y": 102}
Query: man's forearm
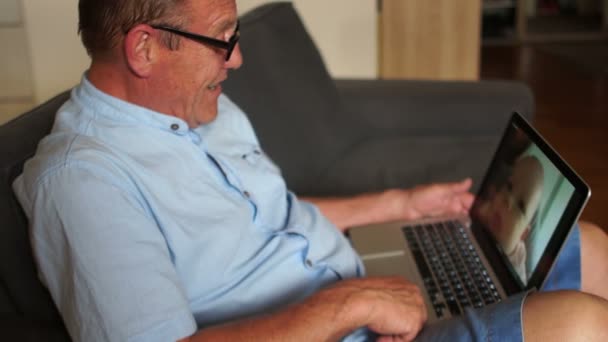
{"x": 397, "y": 204}
{"x": 320, "y": 318}
{"x": 388, "y": 306}
{"x": 362, "y": 209}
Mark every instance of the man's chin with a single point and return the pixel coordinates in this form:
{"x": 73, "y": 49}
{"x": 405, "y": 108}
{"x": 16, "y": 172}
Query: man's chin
{"x": 209, "y": 116}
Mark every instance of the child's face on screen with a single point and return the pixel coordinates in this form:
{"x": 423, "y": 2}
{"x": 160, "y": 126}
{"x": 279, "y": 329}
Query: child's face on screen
{"x": 516, "y": 202}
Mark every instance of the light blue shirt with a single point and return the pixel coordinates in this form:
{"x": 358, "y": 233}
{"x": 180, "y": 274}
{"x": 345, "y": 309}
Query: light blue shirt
{"x": 146, "y": 230}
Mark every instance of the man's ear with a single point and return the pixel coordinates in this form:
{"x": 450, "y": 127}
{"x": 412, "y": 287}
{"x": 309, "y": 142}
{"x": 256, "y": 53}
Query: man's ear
{"x": 140, "y": 50}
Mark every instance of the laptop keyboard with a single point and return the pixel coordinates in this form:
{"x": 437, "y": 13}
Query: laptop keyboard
{"x": 453, "y": 274}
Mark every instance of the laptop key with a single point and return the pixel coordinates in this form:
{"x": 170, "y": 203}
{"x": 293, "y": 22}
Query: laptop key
{"x": 423, "y": 267}
{"x": 453, "y": 274}
{"x": 453, "y": 306}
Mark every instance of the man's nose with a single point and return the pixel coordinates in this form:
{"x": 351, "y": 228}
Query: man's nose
{"x": 236, "y": 58}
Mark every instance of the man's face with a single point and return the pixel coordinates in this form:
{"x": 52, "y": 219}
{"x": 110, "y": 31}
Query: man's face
{"x": 192, "y": 74}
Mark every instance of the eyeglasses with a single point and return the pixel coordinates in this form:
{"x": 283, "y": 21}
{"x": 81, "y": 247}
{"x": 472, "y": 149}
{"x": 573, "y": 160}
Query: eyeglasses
{"x": 228, "y": 46}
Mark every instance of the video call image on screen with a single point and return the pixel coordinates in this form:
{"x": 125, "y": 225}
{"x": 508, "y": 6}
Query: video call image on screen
{"x": 522, "y": 202}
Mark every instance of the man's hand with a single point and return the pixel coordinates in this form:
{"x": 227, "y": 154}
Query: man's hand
{"x": 435, "y": 200}
{"x": 390, "y": 306}
{"x": 397, "y": 204}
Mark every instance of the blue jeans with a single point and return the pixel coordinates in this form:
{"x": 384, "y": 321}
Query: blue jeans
{"x": 502, "y": 321}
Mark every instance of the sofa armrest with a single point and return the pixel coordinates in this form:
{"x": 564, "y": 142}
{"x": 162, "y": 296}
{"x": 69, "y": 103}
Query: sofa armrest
{"x": 445, "y": 108}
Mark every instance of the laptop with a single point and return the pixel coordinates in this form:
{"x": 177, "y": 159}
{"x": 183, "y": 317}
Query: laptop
{"x": 523, "y": 212}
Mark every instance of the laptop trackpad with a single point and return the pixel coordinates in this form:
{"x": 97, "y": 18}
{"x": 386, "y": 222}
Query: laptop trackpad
{"x": 391, "y": 263}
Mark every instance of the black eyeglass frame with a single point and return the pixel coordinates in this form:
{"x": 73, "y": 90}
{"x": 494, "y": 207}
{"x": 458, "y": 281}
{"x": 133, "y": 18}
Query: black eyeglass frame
{"x": 228, "y": 46}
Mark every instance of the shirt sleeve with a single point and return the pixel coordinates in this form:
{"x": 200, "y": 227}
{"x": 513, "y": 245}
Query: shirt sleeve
{"x": 104, "y": 260}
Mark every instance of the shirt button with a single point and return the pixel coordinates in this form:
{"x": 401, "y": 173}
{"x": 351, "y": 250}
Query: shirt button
{"x": 309, "y": 263}
{"x": 247, "y": 194}
{"x": 175, "y": 127}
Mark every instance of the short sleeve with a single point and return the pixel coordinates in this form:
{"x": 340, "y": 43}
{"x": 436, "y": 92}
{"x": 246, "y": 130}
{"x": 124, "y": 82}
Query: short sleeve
{"x": 104, "y": 260}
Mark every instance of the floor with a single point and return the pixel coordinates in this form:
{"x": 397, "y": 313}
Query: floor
{"x": 571, "y": 112}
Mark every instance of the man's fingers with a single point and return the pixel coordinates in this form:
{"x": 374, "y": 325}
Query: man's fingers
{"x": 467, "y": 201}
{"x": 463, "y": 185}
{"x": 397, "y": 307}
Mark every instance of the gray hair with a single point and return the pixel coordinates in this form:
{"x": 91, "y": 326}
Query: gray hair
{"x": 103, "y": 23}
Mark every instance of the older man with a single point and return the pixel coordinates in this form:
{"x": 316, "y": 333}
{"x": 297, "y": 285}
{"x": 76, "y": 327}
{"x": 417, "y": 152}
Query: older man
{"x": 155, "y": 215}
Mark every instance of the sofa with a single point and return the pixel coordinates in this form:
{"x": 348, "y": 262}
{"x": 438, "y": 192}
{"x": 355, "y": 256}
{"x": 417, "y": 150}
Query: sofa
{"x": 328, "y": 136}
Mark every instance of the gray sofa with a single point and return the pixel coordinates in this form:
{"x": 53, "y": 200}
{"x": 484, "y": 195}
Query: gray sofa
{"x": 328, "y": 136}
{"x": 346, "y": 136}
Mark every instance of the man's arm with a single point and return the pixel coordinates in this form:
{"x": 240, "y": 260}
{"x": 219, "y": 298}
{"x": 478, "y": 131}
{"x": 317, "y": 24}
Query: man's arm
{"x": 108, "y": 266}
{"x": 396, "y": 204}
{"x": 103, "y": 259}
{"x": 388, "y": 306}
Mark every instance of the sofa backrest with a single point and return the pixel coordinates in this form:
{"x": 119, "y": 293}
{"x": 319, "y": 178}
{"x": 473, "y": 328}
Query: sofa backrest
{"x": 21, "y": 292}
{"x": 288, "y": 94}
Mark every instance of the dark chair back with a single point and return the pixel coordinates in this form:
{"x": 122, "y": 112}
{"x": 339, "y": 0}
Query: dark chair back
{"x": 289, "y": 96}
{"x": 23, "y": 298}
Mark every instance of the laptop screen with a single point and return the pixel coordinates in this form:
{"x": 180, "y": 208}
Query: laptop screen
{"x": 528, "y": 194}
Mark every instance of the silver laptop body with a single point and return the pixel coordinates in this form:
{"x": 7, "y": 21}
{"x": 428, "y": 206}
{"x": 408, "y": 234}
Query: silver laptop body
{"x": 458, "y": 261}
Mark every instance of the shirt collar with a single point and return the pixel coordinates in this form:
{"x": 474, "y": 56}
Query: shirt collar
{"x": 113, "y": 108}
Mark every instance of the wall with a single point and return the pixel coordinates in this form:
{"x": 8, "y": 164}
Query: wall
{"x": 57, "y": 57}
{"x": 345, "y": 31}
{"x": 9, "y": 12}
{"x": 15, "y": 79}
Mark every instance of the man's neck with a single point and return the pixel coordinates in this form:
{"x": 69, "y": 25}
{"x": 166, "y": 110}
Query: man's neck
{"x": 117, "y": 81}
{"x": 107, "y": 78}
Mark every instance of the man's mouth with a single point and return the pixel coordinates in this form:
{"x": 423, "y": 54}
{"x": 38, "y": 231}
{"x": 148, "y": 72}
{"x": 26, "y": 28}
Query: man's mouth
{"x": 214, "y": 86}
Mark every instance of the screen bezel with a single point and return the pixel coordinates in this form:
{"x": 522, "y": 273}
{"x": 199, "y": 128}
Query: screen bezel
{"x": 508, "y": 278}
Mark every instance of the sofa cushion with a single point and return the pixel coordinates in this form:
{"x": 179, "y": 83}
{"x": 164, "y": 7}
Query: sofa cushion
{"x": 407, "y": 161}
{"x": 286, "y": 91}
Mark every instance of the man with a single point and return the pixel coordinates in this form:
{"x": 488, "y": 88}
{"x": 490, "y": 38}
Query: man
{"x": 156, "y": 217}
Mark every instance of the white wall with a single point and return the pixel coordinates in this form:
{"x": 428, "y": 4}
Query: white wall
{"x": 9, "y": 12}
{"x": 15, "y": 79}
{"x": 57, "y": 56}
{"x": 344, "y": 30}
